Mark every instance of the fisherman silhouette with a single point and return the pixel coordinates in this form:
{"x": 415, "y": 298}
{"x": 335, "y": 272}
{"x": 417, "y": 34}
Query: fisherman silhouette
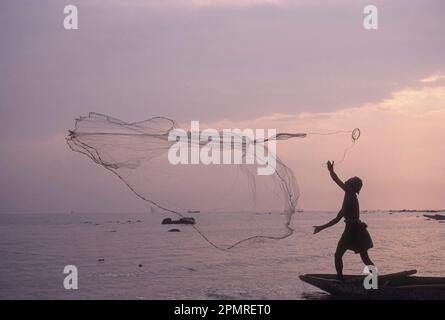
{"x": 355, "y": 236}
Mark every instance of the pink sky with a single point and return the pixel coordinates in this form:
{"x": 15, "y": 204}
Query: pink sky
{"x": 298, "y": 66}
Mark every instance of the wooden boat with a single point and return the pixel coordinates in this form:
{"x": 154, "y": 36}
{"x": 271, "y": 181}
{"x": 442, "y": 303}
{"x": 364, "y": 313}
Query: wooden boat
{"x": 394, "y": 286}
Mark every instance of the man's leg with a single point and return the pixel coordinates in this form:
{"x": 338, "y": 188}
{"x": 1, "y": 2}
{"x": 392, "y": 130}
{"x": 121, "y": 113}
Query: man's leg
{"x": 365, "y": 258}
{"x": 339, "y": 260}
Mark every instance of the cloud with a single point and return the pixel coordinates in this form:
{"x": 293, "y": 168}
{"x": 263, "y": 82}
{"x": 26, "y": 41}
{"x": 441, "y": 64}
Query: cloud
{"x": 412, "y": 102}
{"x": 433, "y": 78}
{"x": 399, "y": 155}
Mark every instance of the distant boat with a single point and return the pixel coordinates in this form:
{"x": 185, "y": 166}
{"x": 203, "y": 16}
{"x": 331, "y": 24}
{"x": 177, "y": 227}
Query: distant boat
{"x": 401, "y": 285}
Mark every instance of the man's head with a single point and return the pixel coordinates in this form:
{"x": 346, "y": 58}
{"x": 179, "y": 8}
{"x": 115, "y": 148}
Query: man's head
{"x": 354, "y": 184}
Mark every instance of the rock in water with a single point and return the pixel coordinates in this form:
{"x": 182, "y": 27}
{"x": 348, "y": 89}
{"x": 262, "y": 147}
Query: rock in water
{"x": 185, "y": 220}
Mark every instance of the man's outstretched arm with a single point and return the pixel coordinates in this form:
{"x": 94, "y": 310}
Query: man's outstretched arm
{"x": 334, "y": 176}
{"x": 334, "y": 221}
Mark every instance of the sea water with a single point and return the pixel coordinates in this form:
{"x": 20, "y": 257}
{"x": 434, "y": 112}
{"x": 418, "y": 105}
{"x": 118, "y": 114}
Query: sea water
{"x": 133, "y": 256}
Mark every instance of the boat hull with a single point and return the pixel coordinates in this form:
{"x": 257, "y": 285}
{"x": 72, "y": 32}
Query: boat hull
{"x": 390, "y": 287}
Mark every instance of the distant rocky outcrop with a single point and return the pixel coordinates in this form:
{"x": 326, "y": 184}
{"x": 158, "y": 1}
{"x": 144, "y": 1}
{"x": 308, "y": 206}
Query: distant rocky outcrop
{"x": 416, "y": 210}
{"x": 435, "y": 216}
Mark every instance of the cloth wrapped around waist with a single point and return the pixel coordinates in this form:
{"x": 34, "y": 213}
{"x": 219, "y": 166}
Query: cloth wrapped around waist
{"x": 356, "y": 236}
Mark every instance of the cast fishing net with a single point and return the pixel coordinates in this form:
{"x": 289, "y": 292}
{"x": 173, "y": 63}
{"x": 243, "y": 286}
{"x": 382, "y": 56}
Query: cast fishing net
{"x": 138, "y": 155}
